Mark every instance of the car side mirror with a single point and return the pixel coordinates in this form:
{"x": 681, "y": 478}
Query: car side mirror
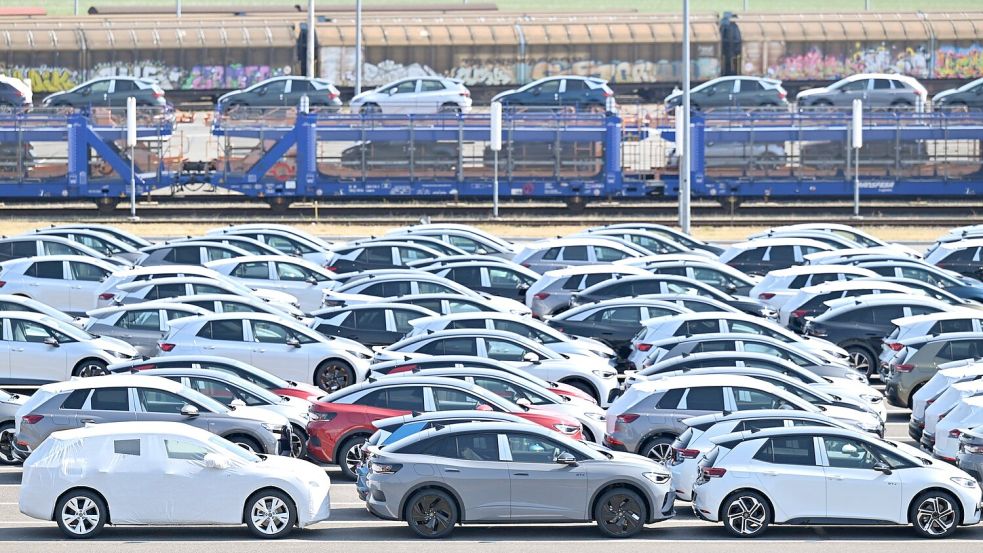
{"x": 882, "y": 467}
{"x": 216, "y": 461}
{"x": 731, "y": 287}
{"x": 189, "y": 411}
{"x": 481, "y": 251}
{"x": 293, "y": 342}
{"x": 848, "y": 449}
{"x": 565, "y": 458}
{"x": 392, "y": 91}
{"x": 237, "y": 403}
{"x": 310, "y": 280}
{"x": 523, "y": 402}
{"x": 522, "y": 286}
{"x": 51, "y": 341}
{"x": 530, "y": 357}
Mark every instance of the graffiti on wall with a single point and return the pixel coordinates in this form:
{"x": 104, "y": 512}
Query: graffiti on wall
{"x": 46, "y": 79}
{"x": 911, "y": 59}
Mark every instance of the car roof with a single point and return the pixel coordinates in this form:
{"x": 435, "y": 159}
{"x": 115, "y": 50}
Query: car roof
{"x": 153, "y": 304}
{"x": 944, "y": 337}
{"x": 132, "y": 428}
{"x": 779, "y": 241}
{"x": 759, "y": 414}
{"x": 790, "y": 431}
{"x": 688, "y": 381}
{"x": 847, "y": 285}
{"x": 797, "y": 270}
{"x": 401, "y": 381}
{"x": 449, "y": 415}
{"x": 699, "y": 315}
{"x": 114, "y": 380}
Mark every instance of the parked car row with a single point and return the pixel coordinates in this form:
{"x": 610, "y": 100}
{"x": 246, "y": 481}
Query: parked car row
{"x": 605, "y": 374}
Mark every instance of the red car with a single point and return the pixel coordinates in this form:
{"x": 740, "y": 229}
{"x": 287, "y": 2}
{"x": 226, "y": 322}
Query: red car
{"x": 342, "y": 421}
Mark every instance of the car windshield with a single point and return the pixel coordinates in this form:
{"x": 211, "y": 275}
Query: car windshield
{"x": 72, "y": 331}
{"x": 203, "y": 400}
{"x": 235, "y": 451}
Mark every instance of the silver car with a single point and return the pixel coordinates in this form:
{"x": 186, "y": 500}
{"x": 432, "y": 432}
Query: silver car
{"x": 442, "y": 477}
{"x": 875, "y": 90}
{"x": 9, "y": 404}
{"x": 141, "y": 325}
{"x": 124, "y": 397}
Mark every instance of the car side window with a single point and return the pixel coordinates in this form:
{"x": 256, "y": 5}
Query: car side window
{"x": 76, "y": 399}
{"x": 403, "y": 317}
{"x": 704, "y": 398}
{"x": 46, "y": 269}
{"x": 270, "y": 333}
{"x": 788, "y": 450}
{"x": 954, "y": 325}
{"x": 450, "y": 399}
{"x": 407, "y": 254}
{"x": 159, "y": 291}
{"x": 575, "y": 253}
{"x": 381, "y": 255}
{"x": 782, "y": 254}
{"x": 148, "y": 319}
{"x": 370, "y": 319}
{"x": 252, "y": 269}
{"x": 470, "y": 447}
{"x": 699, "y": 326}
{"x": 551, "y": 254}
{"x": 550, "y": 87}
{"x": 430, "y": 85}
{"x": 222, "y": 330}
{"x": 748, "y": 399}
{"x": 529, "y": 448}
{"x": 467, "y": 276}
{"x": 127, "y": 447}
{"x": 847, "y": 453}
{"x": 622, "y": 315}
{"x": 608, "y": 254}
{"x": 433, "y": 288}
{"x": 28, "y": 331}
{"x": 748, "y": 256}
{"x": 110, "y": 399}
{"x": 185, "y": 451}
{"x": 87, "y": 271}
{"x": 501, "y": 350}
{"x": 159, "y": 401}
{"x": 187, "y": 255}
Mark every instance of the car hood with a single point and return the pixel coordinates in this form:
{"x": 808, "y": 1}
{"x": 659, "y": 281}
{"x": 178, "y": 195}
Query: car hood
{"x": 812, "y": 92}
{"x": 49, "y": 97}
{"x": 303, "y": 472}
{"x": 275, "y": 296}
{"x": 504, "y": 93}
{"x": 593, "y": 345}
{"x": 509, "y": 305}
{"x": 115, "y": 345}
{"x": 632, "y": 461}
{"x": 868, "y": 422}
{"x": 944, "y": 94}
{"x": 259, "y": 414}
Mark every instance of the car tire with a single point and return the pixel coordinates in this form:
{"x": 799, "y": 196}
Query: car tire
{"x": 349, "y": 455}
{"x": 745, "y": 514}
{"x": 7, "y": 433}
{"x": 584, "y": 387}
{"x": 81, "y": 514}
{"x": 247, "y": 443}
{"x": 369, "y": 109}
{"x": 431, "y": 514}
{"x": 935, "y": 514}
{"x": 298, "y": 442}
{"x": 620, "y": 513}
{"x": 90, "y": 367}
{"x": 334, "y": 374}
{"x": 659, "y": 449}
{"x": 863, "y": 359}
{"x": 270, "y": 514}
{"x": 450, "y": 108}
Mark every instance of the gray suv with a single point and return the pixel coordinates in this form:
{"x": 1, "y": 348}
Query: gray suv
{"x": 119, "y": 398}
{"x": 442, "y": 477}
{"x": 970, "y": 457}
{"x": 876, "y": 90}
{"x": 919, "y": 360}
{"x": 109, "y": 92}
{"x": 649, "y": 416}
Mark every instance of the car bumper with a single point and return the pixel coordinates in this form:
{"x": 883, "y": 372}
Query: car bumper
{"x": 609, "y": 443}
{"x": 317, "y": 448}
{"x": 972, "y": 463}
{"x": 683, "y": 478}
{"x": 915, "y": 429}
{"x": 361, "y": 488}
{"x": 20, "y": 450}
{"x": 892, "y": 393}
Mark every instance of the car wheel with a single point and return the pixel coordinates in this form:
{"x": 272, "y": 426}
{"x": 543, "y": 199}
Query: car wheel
{"x": 370, "y": 109}
{"x": 862, "y": 359}
{"x": 90, "y": 367}
{"x": 935, "y": 515}
{"x": 588, "y": 435}
{"x": 81, "y": 514}
{"x": 270, "y": 514}
{"x": 584, "y": 387}
{"x": 658, "y": 449}
{"x": 450, "y": 108}
{"x": 823, "y": 104}
{"x": 298, "y": 442}
{"x": 333, "y": 375}
{"x": 620, "y": 513}
{"x": 247, "y": 443}
{"x": 431, "y": 514}
{"x": 746, "y": 514}
{"x": 350, "y": 455}
{"x": 901, "y": 106}
{"x": 7, "y": 456}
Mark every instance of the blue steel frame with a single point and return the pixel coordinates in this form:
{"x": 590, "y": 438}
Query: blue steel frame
{"x": 80, "y": 135}
{"x": 803, "y": 126}
{"x": 310, "y": 129}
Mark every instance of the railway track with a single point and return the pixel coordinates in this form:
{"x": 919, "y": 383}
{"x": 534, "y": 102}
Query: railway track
{"x": 533, "y": 213}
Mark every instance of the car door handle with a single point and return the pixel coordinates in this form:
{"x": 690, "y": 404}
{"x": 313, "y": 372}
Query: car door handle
{"x": 18, "y": 349}
{"x": 834, "y": 477}
{"x": 452, "y": 470}
{"x": 207, "y": 347}
{"x": 520, "y": 474}
{"x": 770, "y": 473}
{"x": 259, "y": 351}
{"x": 88, "y": 421}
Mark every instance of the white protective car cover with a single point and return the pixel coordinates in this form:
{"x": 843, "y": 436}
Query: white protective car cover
{"x": 150, "y": 488}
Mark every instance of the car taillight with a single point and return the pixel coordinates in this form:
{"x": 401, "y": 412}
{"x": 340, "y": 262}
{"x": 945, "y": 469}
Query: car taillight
{"x": 687, "y": 453}
{"x": 766, "y": 295}
{"x": 904, "y": 368}
{"x": 331, "y": 268}
{"x": 402, "y": 369}
{"x": 541, "y": 295}
{"x": 332, "y": 95}
{"x": 3, "y": 283}
{"x": 714, "y": 472}
{"x": 799, "y": 313}
{"x": 144, "y": 367}
{"x": 628, "y": 417}
{"x": 31, "y": 419}
{"x": 158, "y": 94}
{"x": 166, "y": 346}
{"x": 955, "y": 433}
{"x": 643, "y": 347}
{"x": 465, "y": 93}
{"x": 608, "y": 94}
{"x": 107, "y": 296}
{"x": 896, "y": 346}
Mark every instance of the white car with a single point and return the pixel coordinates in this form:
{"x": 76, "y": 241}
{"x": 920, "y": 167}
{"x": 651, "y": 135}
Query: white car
{"x": 466, "y": 238}
{"x": 593, "y": 375}
{"x": 30, "y": 245}
{"x": 141, "y": 325}
{"x": 228, "y": 303}
{"x": 811, "y": 475}
{"x": 694, "y": 442}
{"x": 415, "y": 95}
{"x": 124, "y": 276}
{"x": 171, "y": 287}
{"x": 117, "y": 466}
{"x": 69, "y": 283}
{"x": 524, "y": 326}
{"x": 689, "y": 324}
{"x": 851, "y": 233}
{"x": 275, "y": 344}
{"x": 106, "y": 244}
{"x": 947, "y": 401}
{"x": 552, "y": 291}
{"x": 936, "y": 386}
{"x": 9, "y": 302}
{"x": 561, "y": 253}
{"x": 839, "y": 257}
{"x": 951, "y": 320}
{"x": 768, "y": 254}
{"x": 41, "y": 349}
{"x": 968, "y": 413}
{"x": 778, "y": 286}
{"x": 300, "y": 278}
{"x": 288, "y": 240}
{"x": 123, "y": 236}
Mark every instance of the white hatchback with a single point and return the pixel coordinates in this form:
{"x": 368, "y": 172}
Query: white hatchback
{"x": 415, "y": 95}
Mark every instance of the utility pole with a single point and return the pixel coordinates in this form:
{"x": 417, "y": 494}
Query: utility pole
{"x": 358, "y": 47}
{"x": 684, "y": 158}
{"x": 311, "y": 71}
{"x": 177, "y": 8}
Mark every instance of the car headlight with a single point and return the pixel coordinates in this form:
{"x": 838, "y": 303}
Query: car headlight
{"x": 656, "y": 477}
{"x": 566, "y": 428}
{"x": 605, "y": 374}
{"x": 964, "y": 482}
{"x": 871, "y": 398}
{"x": 595, "y": 416}
{"x": 271, "y": 427}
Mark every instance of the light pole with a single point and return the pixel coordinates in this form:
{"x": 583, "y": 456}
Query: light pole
{"x": 311, "y": 73}
{"x": 177, "y": 8}
{"x": 684, "y": 158}
{"x": 358, "y": 47}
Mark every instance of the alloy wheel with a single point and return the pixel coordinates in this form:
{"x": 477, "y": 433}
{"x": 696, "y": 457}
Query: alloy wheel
{"x": 92, "y": 369}
{"x": 660, "y": 453}
{"x": 333, "y": 377}
{"x": 296, "y": 445}
{"x": 80, "y": 515}
{"x": 746, "y": 515}
{"x": 270, "y": 515}
{"x": 860, "y": 362}
{"x": 7, "y": 456}
{"x": 431, "y": 514}
{"x": 622, "y": 514}
{"x": 935, "y": 516}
